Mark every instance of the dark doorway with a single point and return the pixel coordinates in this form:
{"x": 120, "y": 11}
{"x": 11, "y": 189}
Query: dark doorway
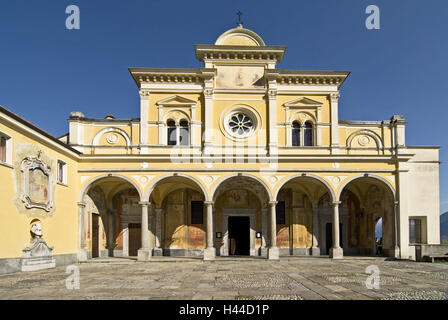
{"x": 329, "y": 236}
{"x": 135, "y": 238}
{"x": 95, "y": 236}
{"x": 239, "y": 231}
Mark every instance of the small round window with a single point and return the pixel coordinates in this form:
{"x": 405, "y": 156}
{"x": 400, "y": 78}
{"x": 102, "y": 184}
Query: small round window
{"x": 239, "y": 124}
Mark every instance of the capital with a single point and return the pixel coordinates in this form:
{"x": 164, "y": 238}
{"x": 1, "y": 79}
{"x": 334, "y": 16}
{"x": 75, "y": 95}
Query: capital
{"x": 144, "y": 203}
{"x": 272, "y": 203}
{"x": 335, "y": 96}
{"x": 336, "y": 203}
{"x": 144, "y": 93}
{"x": 208, "y": 93}
{"x": 81, "y": 204}
{"x": 208, "y": 203}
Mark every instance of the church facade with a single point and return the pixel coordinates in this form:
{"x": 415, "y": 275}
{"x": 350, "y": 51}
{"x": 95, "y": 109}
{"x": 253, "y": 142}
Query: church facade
{"x": 235, "y": 158}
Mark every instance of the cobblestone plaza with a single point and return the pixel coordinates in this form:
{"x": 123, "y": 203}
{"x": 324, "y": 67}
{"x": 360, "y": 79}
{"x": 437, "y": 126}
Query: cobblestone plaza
{"x": 294, "y": 278}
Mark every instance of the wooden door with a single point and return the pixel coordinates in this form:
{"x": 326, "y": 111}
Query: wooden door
{"x": 95, "y": 236}
{"x": 135, "y": 238}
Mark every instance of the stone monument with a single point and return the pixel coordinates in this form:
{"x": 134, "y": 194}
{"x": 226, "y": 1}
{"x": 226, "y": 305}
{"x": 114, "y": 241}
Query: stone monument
{"x": 37, "y": 255}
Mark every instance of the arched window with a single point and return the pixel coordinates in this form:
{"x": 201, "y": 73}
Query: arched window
{"x": 308, "y": 134}
{"x": 184, "y": 136}
{"x": 172, "y": 134}
{"x": 295, "y": 133}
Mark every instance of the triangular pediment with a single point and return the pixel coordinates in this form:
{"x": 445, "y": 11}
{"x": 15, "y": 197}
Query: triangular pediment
{"x": 176, "y": 100}
{"x": 303, "y": 102}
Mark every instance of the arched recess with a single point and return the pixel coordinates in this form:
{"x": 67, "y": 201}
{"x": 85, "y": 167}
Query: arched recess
{"x": 329, "y": 189}
{"x": 297, "y": 200}
{"x": 168, "y": 176}
{"x": 97, "y": 137}
{"x": 249, "y": 176}
{"x": 177, "y": 217}
{"x": 365, "y": 199}
{"x": 104, "y": 224}
{"x": 240, "y": 210}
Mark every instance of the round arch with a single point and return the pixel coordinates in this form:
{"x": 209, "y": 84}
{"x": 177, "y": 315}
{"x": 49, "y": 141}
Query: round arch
{"x": 373, "y": 135}
{"x": 306, "y": 175}
{"x": 196, "y": 181}
{"x": 372, "y": 176}
{"x": 97, "y": 137}
{"x": 86, "y": 187}
{"x": 226, "y": 178}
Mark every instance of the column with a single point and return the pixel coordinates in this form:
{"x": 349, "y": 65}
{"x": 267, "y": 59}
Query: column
{"x": 336, "y": 251}
{"x": 209, "y": 251}
{"x": 144, "y": 254}
{"x": 208, "y": 117}
{"x": 110, "y": 232}
{"x": 82, "y": 253}
{"x": 273, "y": 141}
{"x": 334, "y": 97}
{"x": 158, "y": 251}
{"x": 144, "y": 117}
{"x": 264, "y": 232}
{"x": 315, "y": 250}
{"x": 273, "y": 253}
{"x": 396, "y": 252}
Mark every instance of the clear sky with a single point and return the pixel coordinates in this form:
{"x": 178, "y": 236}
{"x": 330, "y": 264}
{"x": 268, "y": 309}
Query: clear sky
{"x": 47, "y": 71}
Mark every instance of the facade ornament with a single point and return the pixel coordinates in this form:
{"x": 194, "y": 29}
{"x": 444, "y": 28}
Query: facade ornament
{"x": 37, "y": 191}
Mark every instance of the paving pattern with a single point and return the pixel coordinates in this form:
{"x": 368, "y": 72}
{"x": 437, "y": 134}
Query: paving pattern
{"x": 291, "y": 278}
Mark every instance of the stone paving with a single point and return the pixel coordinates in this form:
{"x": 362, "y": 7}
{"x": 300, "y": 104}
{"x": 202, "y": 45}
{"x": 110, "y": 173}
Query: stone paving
{"x": 291, "y": 278}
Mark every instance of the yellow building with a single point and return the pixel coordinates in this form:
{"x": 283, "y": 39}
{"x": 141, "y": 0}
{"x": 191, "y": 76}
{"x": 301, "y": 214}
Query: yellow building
{"x": 236, "y": 158}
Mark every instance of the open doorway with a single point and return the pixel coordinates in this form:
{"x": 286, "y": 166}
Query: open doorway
{"x": 378, "y": 237}
{"x": 239, "y": 236}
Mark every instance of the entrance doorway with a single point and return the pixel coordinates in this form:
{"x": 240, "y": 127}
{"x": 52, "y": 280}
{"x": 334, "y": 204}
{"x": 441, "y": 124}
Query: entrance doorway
{"x": 329, "y": 236}
{"x": 239, "y": 236}
{"x": 135, "y": 238}
{"x": 95, "y": 236}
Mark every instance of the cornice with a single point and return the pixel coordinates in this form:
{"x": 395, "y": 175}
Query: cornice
{"x": 173, "y": 76}
{"x": 305, "y": 77}
{"x": 245, "y": 53}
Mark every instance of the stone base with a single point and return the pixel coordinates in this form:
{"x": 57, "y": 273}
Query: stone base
{"x": 263, "y": 252}
{"x": 143, "y": 255}
{"x": 38, "y": 263}
{"x": 315, "y": 251}
{"x": 82, "y": 255}
{"x": 157, "y": 252}
{"x": 336, "y": 253}
{"x": 273, "y": 253}
{"x": 209, "y": 254}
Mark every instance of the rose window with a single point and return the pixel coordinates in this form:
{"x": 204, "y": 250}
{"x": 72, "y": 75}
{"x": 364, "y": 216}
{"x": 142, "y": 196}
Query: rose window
{"x": 240, "y": 124}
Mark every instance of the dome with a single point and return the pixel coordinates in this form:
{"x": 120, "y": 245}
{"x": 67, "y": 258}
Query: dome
{"x": 240, "y": 37}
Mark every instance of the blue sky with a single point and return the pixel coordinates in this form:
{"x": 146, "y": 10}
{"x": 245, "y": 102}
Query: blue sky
{"x": 48, "y": 71}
